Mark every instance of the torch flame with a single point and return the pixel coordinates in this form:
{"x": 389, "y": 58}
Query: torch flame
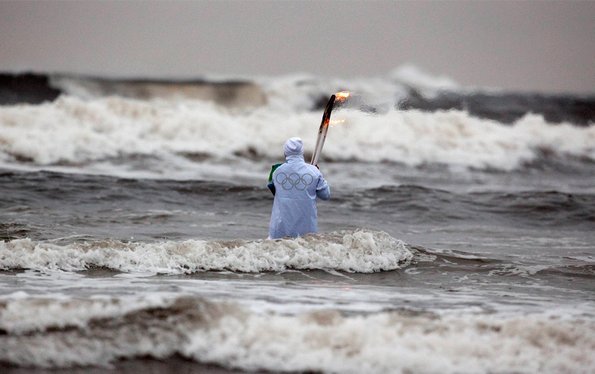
{"x": 336, "y": 122}
{"x": 342, "y": 96}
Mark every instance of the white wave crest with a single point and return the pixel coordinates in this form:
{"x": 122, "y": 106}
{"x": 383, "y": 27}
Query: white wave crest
{"x": 426, "y": 83}
{"x": 455, "y": 138}
{"x": 75, "y": 131}
{"x": 21, "y": 314}
{"x": 321, "y": 341}
{"x": 352, "y": 251}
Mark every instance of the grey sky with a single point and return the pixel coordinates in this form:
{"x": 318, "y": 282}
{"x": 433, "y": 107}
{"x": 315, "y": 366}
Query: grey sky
{"x": 529, "y": 45}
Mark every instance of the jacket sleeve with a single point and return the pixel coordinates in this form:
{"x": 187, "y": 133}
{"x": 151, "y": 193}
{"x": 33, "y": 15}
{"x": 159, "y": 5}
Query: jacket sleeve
{"x": 323, "y": 191}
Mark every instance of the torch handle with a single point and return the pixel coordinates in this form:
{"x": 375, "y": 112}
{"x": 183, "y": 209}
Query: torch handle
{"x": 323, "y": 130}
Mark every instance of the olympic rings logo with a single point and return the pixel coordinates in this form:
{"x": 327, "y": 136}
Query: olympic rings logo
{"x": 294, "y": 180}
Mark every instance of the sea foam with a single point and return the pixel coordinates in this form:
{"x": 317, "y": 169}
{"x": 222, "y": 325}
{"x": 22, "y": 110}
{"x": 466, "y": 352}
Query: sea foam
{"x": 232, "y": 336}
{"x": 79, "y": 132}
{"x": 352, "y": 251}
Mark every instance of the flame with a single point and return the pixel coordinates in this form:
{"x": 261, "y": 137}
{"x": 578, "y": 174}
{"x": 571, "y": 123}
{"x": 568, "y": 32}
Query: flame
{"x": 335, "y": 122}
{"x": 342, "y": 96}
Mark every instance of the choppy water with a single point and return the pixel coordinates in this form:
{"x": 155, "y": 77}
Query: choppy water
{"x": 134, "y": 228}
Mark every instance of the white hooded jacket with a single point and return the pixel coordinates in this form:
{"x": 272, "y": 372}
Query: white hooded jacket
{"x": 296, "y": 187}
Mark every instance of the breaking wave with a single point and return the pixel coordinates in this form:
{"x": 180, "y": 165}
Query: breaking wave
{"x": 73, "y": 131}
{"x": 61, "y": 333}
{"x": 352, "y": 251}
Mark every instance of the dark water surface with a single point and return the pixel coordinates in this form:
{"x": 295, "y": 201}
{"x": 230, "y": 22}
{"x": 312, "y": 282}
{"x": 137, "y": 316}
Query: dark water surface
{"x": 132, "y": 230}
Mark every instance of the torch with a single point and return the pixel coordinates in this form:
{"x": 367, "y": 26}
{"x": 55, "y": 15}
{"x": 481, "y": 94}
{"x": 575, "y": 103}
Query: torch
{"x": 324, "y": 124}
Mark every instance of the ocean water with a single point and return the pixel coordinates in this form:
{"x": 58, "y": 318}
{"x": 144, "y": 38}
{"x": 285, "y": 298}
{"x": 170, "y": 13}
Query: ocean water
{"x": 133, "y": 220}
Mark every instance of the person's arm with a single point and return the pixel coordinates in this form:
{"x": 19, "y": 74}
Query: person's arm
{"x": 323, "y": 191}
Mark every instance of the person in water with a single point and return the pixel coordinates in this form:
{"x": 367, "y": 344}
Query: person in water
{"x": 295, "y": 185}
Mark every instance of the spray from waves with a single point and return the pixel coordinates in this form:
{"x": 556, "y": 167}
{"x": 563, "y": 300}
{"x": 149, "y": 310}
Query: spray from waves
{"x": 424, "y": 82}
{"x": 231, "y": 93}
{"x": 45, "y": 332}
{"x": 73, "y": 131}
{"x": 292, "y": 92}
{"x": 352, "y": 251}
